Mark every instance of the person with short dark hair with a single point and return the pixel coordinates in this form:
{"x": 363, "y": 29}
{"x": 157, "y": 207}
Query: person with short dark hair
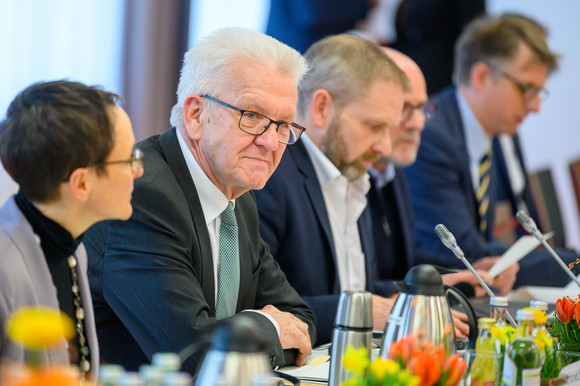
{"x": 70, "y": 149}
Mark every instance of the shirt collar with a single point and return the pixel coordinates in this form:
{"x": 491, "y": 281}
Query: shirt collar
{"x": 325, "y": 169}
{"x": 384, "y": 177}
{"x": 213, "y": 201}
{"x": 476, "y": 140}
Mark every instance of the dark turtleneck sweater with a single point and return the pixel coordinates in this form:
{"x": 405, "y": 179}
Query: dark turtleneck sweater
{"x": 57, "y": 244}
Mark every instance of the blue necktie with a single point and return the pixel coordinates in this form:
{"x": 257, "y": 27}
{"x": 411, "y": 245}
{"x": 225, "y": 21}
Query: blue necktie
{"x": 229, "y": 265}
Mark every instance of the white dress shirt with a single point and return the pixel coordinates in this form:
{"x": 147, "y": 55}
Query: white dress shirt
{"x": 213, "y": 203}
{"x": 513, "y": 166}
{"x": 345, "y": 202}
{"x": 475, "y": 138}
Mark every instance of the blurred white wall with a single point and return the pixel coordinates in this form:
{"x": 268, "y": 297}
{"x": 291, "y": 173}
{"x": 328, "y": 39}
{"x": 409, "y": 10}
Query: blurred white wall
{"x": 551, "y": 138}
{"x": 48, "y": 40}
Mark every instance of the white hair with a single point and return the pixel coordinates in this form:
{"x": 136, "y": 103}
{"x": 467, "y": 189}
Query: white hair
{"x": 207, "y": 66}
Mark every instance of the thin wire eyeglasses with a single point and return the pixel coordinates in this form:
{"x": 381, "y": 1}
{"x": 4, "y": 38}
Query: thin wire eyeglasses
{"x": 136, "y": 162}
{"x": 428, "y": 109}
{"x": 529, "y": 92}
{"x": 256, "y": 124}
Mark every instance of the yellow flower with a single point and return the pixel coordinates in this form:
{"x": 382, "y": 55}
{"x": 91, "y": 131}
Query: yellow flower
{"x": 542, "y": 340}
{"x": 504, "y": 334}
{"x": 380, "y": 368}
{"x": 407, "y": 378}
{"x": 39, "y": 327}
{"x": 540, "y": 316}
{"x": 356, "y": 360}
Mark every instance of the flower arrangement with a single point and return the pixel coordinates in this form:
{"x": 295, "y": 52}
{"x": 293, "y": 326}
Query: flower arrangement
{"x": 37, "y": 329}
{"x": 375, "y": 373}
{"x": 408, "y": 363}
{"x": 566, "y": 326}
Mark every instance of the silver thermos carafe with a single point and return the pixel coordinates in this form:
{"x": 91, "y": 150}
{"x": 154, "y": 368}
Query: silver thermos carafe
{"x": 353, "y": 327}
{"x": 236, "y": 356}
{"x": 421, "y": 309}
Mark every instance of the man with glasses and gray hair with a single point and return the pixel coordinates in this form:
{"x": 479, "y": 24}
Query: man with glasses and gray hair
{"x": 191, "y": 254}
{"x": 501, "y": 66}
{"x": 313, "y": 210}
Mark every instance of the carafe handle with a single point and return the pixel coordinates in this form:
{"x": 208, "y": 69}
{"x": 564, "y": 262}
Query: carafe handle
{"x": 469, "y": 311}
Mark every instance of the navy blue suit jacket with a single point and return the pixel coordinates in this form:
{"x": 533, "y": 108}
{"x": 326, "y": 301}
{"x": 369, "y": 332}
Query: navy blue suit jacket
{"x": 299, "y": 23}
{"x": 442, "y": 192}
{"x": 413, "y": 254}
{"x": 295, "y": 224}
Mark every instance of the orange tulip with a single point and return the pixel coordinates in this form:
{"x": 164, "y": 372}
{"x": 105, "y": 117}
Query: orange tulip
{"x": 454, "y": 367}
{"x": 403, "y": 350}
{"x": 426, "y": 367}
{"x": 565, "y": 309}
{"x": 577, "y": 314}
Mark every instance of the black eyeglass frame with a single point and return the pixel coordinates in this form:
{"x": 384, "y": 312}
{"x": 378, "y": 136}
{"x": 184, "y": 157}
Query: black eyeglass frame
{"x": 293, "y": 125}
{"x": 136, "y": 161}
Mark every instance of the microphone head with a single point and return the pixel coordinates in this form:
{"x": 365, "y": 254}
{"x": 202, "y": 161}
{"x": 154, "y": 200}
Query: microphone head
{"x": 528, "y": 223}
{"x": 448, "y": 240}
{"x": 446, "y": 237}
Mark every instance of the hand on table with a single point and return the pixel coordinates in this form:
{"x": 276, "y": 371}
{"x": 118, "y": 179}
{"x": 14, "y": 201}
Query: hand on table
{"x": 505, "y": 280}
{"x": 467, "y": 277}
{"x": 293, "y": 333}
{"x": 381, "y": 310}
{"x": 460, "y": 323}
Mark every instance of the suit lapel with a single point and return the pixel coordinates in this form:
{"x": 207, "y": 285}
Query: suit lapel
{"x": 314, "y": 194}
{"x": 313, "y": 189}
{"x": 172, "y": 153}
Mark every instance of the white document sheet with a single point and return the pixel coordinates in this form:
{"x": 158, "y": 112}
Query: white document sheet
{"x": 516, "y": 252}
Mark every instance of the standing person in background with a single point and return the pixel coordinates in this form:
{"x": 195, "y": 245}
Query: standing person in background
{"x": 501, "y": 65}
{"x": 70, "y": 148}
{"x": 300, "y": 23}
{"x": 390, "y": 201}
{"x": 191, "y": 254}
{"x": 424, "y": 30}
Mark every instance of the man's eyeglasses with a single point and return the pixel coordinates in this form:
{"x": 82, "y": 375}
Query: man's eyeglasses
{"x": 529, "y": 92}
{"x": 256, "y": 124}
{"x": 428, "y": 109}
{"x": 136, "y": 162}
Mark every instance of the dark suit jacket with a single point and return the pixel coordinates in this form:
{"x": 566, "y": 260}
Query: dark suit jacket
{"x": 152, "y": 277}
{"x": 442, "y": 192}
{"x": 294, "y": 222}
{"x": 299, "y": 23}
{"x": 413, "y": 254}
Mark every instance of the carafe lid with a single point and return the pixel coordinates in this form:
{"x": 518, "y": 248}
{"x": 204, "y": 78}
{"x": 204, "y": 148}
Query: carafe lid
{"x": 241, "y": 334}
{"x": 355, "y": 310}
{"x": 422, "y": 279}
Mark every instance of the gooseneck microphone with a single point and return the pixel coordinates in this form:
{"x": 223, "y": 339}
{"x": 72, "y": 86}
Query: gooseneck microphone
{"x": 449, "y": 241}
{"x": 530, "y": 226}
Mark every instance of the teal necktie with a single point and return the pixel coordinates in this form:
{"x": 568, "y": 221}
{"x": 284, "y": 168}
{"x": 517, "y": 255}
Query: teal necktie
{"x": 229, "y": 269}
